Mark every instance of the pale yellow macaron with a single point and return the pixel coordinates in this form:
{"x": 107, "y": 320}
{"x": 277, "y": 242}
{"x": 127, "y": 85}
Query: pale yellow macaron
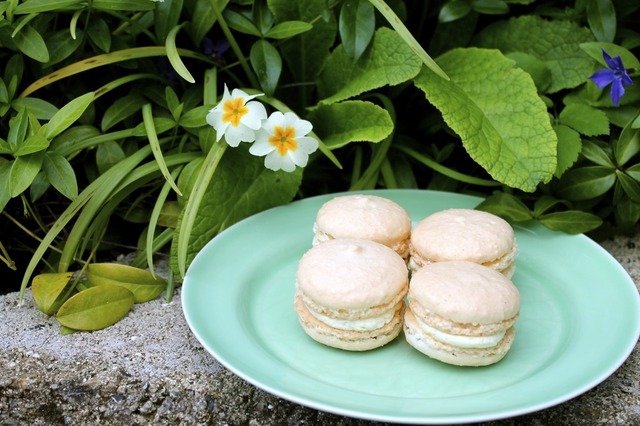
{"x": 461, "y": 313}
{"x": 367, "y": 217}
{"x": 349, "y": 294}
{"x": 464, "y": 234}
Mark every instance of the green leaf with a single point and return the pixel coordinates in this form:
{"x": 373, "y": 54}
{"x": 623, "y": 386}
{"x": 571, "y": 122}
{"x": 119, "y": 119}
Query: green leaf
{"x": 630, "y": 186}
{"x": 38, "y": 187}
{"x": 123, "y": 5}
{"x": 556, "y": 43}
{"x": 32, "y": 144}
{"x": 627, "y": 214}
{"x": 389, "y": 61}
{"x": 108, "y": 154}
{"x": 166, "y": 16}
{"x": 261, "y": 15}
{"x": 38, "y": 6}
{"x": 50, "y": 291}
{"x": 585, "y": 119}
{"x": 569, "y": 147}
{"x": 634, "y": 171}
{"x": 585, "y": 183}
{"x": 601, "y": 15}
{"x": 196, "y": 117}
{"x": 597, "y": 154}
{"x": 507, "y": 206}
{"x": 357, "y": 24}
{"x": 202, "y": 14}
{"x": 627, "y": 145}
{"x": 306, "y": 54}
{"x": 242, "y": 187}
{"x": 61, "y": 46}
{"x": 174, "y": 56}
{"x": 536, "y": 68}
{"x": 350, "y": 121}
{"x": 121, "y": 109}
{"x": 454, "y": 10}
{"x": 100, "y": 34}
{"x": 143, "y": 284}
{"x": 169, "y": 214}
{"x": 24, "y": 171}
{"x": 147, "y": 116}
{"x": 68, "y": 114}
{"x": 40, "y": 108}
{"x": 495, "y": 109}
{"x": 31, "y": 43}
{"x": 288, "y": 29}
{"x": 239, "y": 22}
{"x": 267, "y": 64}
{"x": 571, "y": 222}
{"x": 5, "y": 189}
{"x": 18, "y": 126}
{"x": 490, "y": 7}
{"x": 60, "y": 174}
{"x": 545, "y": 203}
{"x": 95, "y": 308}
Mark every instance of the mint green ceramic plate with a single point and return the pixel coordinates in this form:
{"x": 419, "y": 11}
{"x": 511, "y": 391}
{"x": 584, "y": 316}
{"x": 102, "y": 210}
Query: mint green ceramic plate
{"x": 579, "y": 321}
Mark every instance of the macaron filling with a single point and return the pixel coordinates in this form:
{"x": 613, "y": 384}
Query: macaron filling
{"x": 467, "y": 342}
{"x": 364, "y": 324}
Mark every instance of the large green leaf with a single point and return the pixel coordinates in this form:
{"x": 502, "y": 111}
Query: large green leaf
{"x": 350, "y": 121}
{"x": 585, "y": 183}
{"x": 241, "y": 187}
{"x": 494, "y": 107}
{"x": 585, "y": 119}
{"x": 389, "y": 61}
{"x": 24, "y": 171}
{"x": 143, "y": 284}
{"x": 569, "y": 147}
{"x": 95, "y": 308}
{"x": 556, "y": 43}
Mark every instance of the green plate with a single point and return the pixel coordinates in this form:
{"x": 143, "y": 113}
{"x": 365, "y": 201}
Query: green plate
{"x": 579, "y": 321}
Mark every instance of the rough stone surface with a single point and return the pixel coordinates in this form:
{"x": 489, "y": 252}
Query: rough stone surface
{"x": 149, "y": 369}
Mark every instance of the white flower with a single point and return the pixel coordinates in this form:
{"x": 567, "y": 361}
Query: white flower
{"x": 237, "y": 117}
{"x": 284, "y": 142}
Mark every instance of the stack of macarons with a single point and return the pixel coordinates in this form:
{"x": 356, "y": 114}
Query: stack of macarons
{"x": 368, "y": 276}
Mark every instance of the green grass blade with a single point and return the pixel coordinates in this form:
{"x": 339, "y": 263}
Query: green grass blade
{"x": 174, "y": 55}
{"x": 147, "y": 117}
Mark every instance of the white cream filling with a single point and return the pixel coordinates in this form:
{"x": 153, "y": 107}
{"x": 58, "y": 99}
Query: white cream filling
{"x": 367, "y": 324}
{"x": 468, "y": 342}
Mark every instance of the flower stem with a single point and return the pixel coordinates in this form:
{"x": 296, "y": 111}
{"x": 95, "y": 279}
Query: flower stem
{"x": 235, "y": 47}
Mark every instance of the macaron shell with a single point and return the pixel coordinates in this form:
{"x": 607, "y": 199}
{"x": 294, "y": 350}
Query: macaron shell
{"x": 465, "y": 292}
{"x": 349, "y": 340}
{"x": 462, "y": 234}
{"x": 351, "y": 275}
{"x": 363, "y": 217}
{"x": 449, "y": 354}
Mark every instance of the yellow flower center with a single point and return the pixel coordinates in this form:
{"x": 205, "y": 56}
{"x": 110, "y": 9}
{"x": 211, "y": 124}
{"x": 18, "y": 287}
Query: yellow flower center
{"x": 234, "y": 110}
{"x": 284, "y": 139}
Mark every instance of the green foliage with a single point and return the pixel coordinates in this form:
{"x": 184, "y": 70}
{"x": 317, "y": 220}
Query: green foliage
{"x": 104, "y": 142}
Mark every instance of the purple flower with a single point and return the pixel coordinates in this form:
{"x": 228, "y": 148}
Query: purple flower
{"x": 616, "y": 75}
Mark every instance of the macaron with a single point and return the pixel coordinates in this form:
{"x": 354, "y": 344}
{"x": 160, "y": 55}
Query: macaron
{"x": 350, "y": 294}
{"x": 461, "y": 313}
{"x": 367, "y": 217}
{"x": 464, "y": 234}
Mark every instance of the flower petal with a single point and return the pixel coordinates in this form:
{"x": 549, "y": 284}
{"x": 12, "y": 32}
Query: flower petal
{"x": 275, "y": 162}
{"x": 307, "y": 145}
{"x": 235, "y": 135}
{"x": 298, "y": 157}
{"x": 602, "y": 78}
{"x": 617, "y": 90}
{"x": 626, "y": 79}
{"x": 257, "y": 113}
{"x": 261, "y": 146}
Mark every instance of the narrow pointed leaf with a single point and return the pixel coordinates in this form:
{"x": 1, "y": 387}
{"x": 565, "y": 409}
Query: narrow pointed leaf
{"x": 60, "y": 174}
{"x": 356, "y": 25}
{"x": 67, "y": 115}
{"x": 571, "y": 222}
{"x": 143, "y": 284}
{"x": 267, "y": 64}
{"x": 95, "y": 308}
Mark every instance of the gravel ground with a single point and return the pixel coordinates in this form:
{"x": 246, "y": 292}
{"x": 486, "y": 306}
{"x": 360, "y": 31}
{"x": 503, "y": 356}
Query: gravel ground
{"x": 149, "y": 369}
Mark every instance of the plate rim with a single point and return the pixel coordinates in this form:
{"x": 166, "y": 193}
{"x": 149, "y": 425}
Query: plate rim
{"x": 323, "y": 406}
